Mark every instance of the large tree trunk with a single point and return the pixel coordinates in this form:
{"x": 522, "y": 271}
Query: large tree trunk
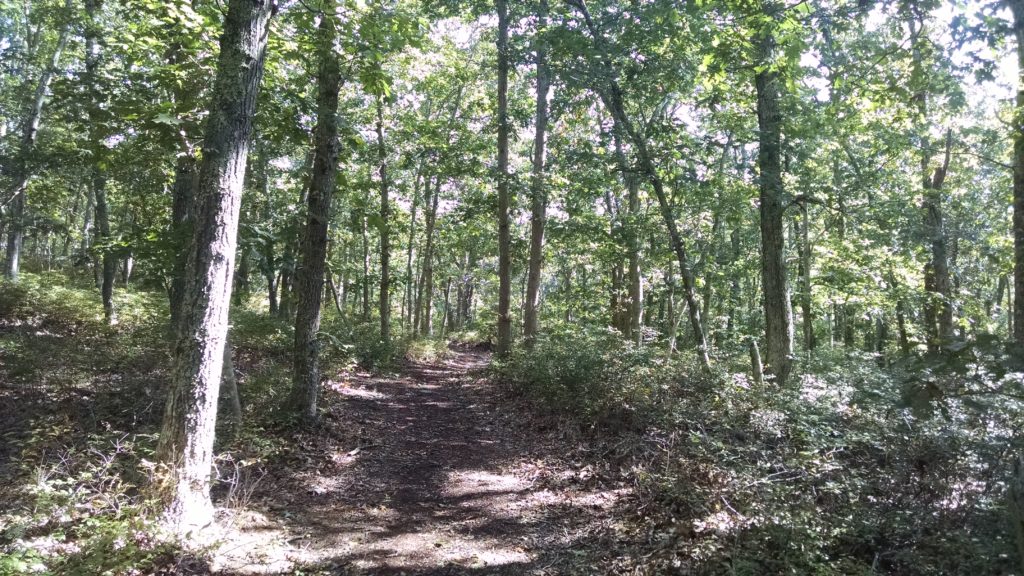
{"x": 634, "y": 309}
{"x": 778, "y": 314}
{"x": 385, "y": 233}
{"x": 1018, "y": 181}
{"x": 504, "y": 344}
{"x": 938, "y": 302}
{"x": 538, "y": 191}
{"x": 185, "y": 450}
{"x": 938, "y": 310}
{"x": 20, "y": 173}
{"x": 93, "y": 60}
{"x": 309, "y": 275}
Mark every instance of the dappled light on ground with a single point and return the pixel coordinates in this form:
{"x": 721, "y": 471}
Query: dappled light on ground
{"x": 429, "y": 477}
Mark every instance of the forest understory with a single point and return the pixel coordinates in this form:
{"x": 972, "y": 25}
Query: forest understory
{"x": 426, "y": 287}
{"x": 440, "y": 463}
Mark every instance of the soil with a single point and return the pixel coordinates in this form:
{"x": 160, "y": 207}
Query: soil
{"x": 429, "y": 471}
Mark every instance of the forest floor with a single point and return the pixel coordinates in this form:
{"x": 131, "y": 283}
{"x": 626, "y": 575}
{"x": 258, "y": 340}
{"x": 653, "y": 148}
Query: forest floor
{"x": 427, "y": 471}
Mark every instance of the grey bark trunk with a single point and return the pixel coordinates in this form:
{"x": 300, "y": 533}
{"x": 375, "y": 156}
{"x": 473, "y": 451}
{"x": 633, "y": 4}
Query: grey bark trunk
{"x": 806, "y": 300}
{"x": 1017, "y": 316}
{"x": 229, "y": 392}
{"x": 309, "y": 275}
{"x": 938, "y": 303}
{"x": 93, "y": 61}
{"x": 504, "y": 344}
{"x": 183, "y": 191}
{"x": 385, "y": 233}
{"x": 366, "y": 268}
{"x": 407, "y": 301}
{"x": 538, "y": 186}
{"x": 938, "y": 310}
{"x": 185, "y": 449}
{"x": 425, "y": 296}
{"x": 778, "y": 313}
{"x": 634, "y": 309}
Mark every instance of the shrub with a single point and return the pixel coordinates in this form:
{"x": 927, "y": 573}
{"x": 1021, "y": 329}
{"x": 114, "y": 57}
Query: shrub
{"x": 594, "y": 376}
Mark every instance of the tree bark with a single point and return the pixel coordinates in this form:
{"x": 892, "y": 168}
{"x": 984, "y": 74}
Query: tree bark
{"x": 425, "y": 296}
{"x": 1017, "y": 6}
{"x": 309, "y": 274}
{"x": 938, "y": 303}
{"x": 634, "y": 309}
{"x": 538, "y": 185}
{"x": 407, "y": 301}
{"x": 182, "y": 192}
{"x": 806, "y": 300}
{"x": 229, "y": 392}
{"x": 98, "y": 179}
{"x": 778, "y": 314}
{"x": 385, "y": 233}
{"x": 447, "y": 315}
{"x": 185, "y": 449}
{"x": 366, "y": 267}
{"x": 938, "y": 310}
{"x": 504, "y": 344}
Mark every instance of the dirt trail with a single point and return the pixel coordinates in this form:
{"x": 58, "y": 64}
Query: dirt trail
{"x": 425, "y": 472}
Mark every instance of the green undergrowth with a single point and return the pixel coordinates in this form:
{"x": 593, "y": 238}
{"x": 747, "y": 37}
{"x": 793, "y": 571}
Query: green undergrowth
{"x": 852, "y": 468}
{"x": 596, "y": 376}
{"x": 73, "y": 453}
{"x": 76, "y": 454}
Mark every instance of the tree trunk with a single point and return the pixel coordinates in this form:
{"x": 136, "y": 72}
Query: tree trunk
{"x": 385, "y": 233}
{"x": 407, "y": 301}
{"x": 806, "y": 300}
{"x": 634, "y": 309}
{"x": 1017, "y": 6}
{"x": 778, "y": 313}
{"x": 734, "y": 285}
{"x": 182, "y": 192}
{"x": 756, "y": 368}
{"x": 339, "y": 301}
{"x": 242, "y": 284}
{"x": 673, "y": 324}
{"x": 83, "y": 247}
{"x": 938, "y": 311}
{"x": 93, "y": 60}
{"x": 538, "y": 186}
{"x": 185, "y": 449}
{"x": 612, "y": 97}
{"x": 504, "y": 344}
{"x": 229, "y": 392}
{"x": 446, "y": 317}
{"x": 425, "y": 296}
{"x": 309, "y": 274}
{"x": 20, "y": 173}
{"x": 366, "y": 267}
{"x": 938, "y": 303}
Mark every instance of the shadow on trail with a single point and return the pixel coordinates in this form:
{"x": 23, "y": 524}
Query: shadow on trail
{"x": 444, "y": 481}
